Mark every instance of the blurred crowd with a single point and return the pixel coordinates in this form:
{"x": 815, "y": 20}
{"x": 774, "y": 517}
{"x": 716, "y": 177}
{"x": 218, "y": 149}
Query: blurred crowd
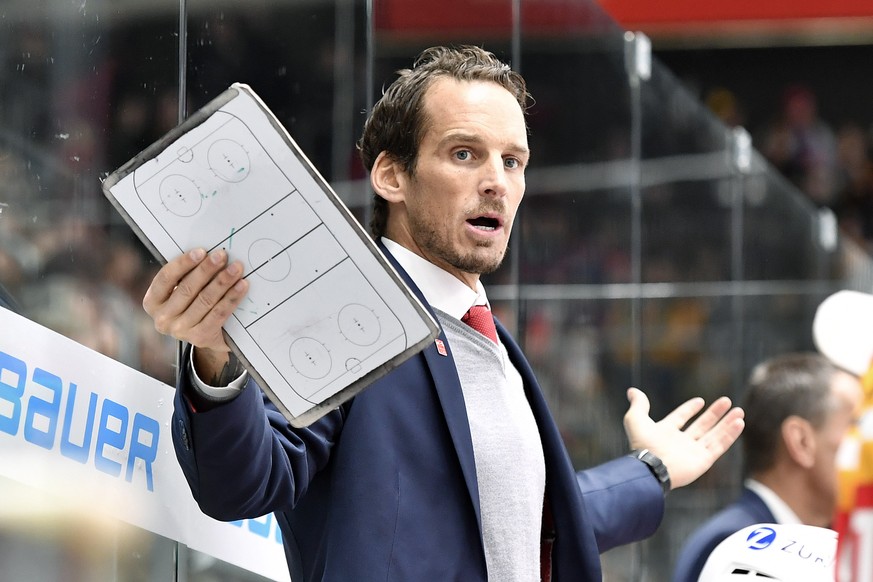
{"x": 74, "y": 266}
{"x": 65, "y": 255}
{"x": 832, "y": 165}
{"x": 69, "y": 116}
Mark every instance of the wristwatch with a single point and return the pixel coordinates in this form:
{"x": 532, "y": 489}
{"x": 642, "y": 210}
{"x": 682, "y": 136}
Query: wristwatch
{"x": 658, "y": 468}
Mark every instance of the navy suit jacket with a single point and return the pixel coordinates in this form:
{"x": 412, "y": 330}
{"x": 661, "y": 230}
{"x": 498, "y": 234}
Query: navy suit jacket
{"x": 384, "y": 487}
{"x": 748, "y": 510}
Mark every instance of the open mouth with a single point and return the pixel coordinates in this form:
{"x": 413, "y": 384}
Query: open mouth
{"x": 485, "y": 223}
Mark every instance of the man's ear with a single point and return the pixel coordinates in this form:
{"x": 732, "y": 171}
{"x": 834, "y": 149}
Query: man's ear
{"x": 388, "y": 178}
{"x": 799, "y": 438}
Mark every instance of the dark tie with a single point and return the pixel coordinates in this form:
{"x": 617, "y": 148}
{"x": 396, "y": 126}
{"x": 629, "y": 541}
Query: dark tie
{"x": 479, "y": 318}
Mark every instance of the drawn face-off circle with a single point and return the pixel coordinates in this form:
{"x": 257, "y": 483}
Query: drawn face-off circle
{"x": 359, "y": 324}
{"x": 269, "y": 260}
{"x": 229, "y": 160}
{"x": 310, "y": 358}
{"x": 180, "y": 195}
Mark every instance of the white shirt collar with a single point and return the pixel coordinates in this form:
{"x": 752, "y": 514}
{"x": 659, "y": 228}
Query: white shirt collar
{"x": 780, "y": 510}
{"x": 441, "y": 289}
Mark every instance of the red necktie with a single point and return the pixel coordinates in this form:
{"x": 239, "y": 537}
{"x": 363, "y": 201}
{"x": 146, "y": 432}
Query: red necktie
{"x": 479, "y": 318}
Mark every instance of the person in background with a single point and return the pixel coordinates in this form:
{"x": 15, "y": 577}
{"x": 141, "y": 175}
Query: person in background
{"x": 802, "y": 145}
{"x": 798, "y": 408}
{"x": 841, "y": 330}
{"x": 450, "y": 467}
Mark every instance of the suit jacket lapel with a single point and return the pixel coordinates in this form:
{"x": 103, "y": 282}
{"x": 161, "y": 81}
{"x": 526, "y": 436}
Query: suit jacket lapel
{"x": 561, "y": 488}
{"x": 552, "y": 444}
{"x": 448, "y": 388}
{"x": 451, "y": 397}
{"x": 562, "y": 491}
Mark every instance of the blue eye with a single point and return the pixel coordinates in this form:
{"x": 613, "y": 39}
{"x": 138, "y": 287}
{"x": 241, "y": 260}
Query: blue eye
{"x": 511, "y": 163}
{"x": 462, "y": 155}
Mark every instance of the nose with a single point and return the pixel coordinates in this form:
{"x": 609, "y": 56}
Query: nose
{"x": 494, "y": 180}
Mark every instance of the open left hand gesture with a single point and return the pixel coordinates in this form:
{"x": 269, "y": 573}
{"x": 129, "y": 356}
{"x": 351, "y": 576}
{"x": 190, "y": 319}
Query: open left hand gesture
{"x": 687, "y": 451}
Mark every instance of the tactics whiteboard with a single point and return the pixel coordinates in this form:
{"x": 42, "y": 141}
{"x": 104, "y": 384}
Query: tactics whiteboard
{"x": 325, "y": 313}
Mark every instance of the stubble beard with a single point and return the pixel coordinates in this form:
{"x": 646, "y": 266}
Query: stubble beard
{"x": 430, "y": 241}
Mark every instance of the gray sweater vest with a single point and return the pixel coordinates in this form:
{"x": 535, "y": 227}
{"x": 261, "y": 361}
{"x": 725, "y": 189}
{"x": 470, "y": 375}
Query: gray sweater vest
{"x": 507, "y": 450}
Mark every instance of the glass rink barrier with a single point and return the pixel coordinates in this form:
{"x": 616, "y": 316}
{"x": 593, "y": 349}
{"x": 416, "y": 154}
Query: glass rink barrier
{"x": 655, "y": 247}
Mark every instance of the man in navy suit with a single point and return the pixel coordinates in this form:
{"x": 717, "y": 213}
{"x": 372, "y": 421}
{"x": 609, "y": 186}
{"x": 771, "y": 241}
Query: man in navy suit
{"x": 450, "y": 467}
{"x": 798, "y": 407}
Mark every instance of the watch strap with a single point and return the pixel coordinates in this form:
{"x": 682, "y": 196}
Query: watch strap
{"x": 658, "y": 468}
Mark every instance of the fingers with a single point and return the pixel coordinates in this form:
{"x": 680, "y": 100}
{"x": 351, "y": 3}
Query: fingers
{"x": 637, "y": 413}
{"x": 709, "y": 417}
{"x": 192, "y": 296}
{"x": 638, "y": 400}
{"x": 728, "y": 429}
{"x": 718, "y": 423}
{"x": 208, "y": 287}
{"x": 168, "y": 278}
{"x": 680, "y": 415}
